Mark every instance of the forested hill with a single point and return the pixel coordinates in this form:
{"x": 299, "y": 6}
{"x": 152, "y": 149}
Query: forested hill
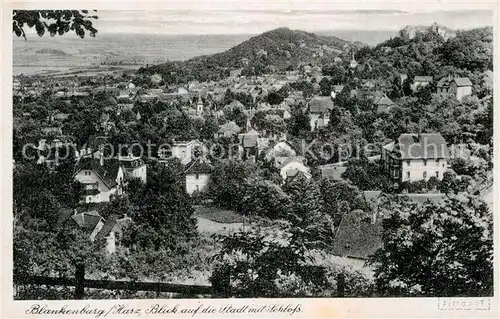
{"x": 273, "y": 50}
{"x": 429, "y": 51}
{"x": 415, "y": 50}
{"x": 280, "y": 48}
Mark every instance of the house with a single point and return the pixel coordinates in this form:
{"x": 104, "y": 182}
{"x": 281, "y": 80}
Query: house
{"x": 250, "y": 141}
{"x": 420, "y": 81}
{"x": 133, "y": 167}
{"x": 91, "y": 222}
{"x": 457, "y": 88}
{"x": 337, "y": 88}
{"x": 415, "y": 157}
{"x": 199, "y": 107}
{"x": 333, "y": 171}
{"x": 384, "y": 104}
{"x": 101, "y": 179}
{"x": 197, "y": 175}
{"x": 228, "y": 129}
{"x": 319, "y": 112}
{"x": 292, "y": 165}
{"x": 358, "y": 236}
{"x": 112, "y": 231}
{"x": 281, "y": 148}
{"x": 183, "y": 150}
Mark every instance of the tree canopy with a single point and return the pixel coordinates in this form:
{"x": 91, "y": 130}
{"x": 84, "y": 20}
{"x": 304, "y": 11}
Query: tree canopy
{"x": 436, "y": 249}
{"x": 54, "y": 21}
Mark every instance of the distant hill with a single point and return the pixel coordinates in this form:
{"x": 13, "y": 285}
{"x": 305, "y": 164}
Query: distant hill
{"x": 276, "y": 49}
{"x": 52, "y": 52}
{"x": 280, "y": 48}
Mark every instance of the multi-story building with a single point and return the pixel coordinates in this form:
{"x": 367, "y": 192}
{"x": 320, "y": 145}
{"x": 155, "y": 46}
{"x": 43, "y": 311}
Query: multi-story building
{"x": 415, "y": 157}
{"x": 319, "y": 112}
{"x": 457, "y": 88}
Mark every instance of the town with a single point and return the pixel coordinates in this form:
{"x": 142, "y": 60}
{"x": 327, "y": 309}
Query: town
{"x": 266, "y": 178}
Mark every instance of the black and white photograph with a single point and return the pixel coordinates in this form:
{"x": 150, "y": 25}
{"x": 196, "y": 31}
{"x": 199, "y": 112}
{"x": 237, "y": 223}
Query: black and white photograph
{"x": 251, "y": 152}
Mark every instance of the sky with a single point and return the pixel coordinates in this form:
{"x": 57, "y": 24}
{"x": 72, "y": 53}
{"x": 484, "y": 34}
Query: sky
{"x": 238, "y": 21}
{"x": 257, "y": 16}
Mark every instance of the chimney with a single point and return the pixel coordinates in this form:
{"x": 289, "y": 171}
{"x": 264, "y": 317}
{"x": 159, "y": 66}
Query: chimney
{"x": 374, "y": 217}
{"x": 75, "y": 212}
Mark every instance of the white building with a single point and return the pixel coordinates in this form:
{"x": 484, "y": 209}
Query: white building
{"x": 133, "y": 167}
{"x": 198, "y": 175}
{"x": 319, "y": 112}
{"x": 101, "y": 179}
{"x": 183, "y": 150}
{"x": 416, "y": 157}
{"x": 292, "y": 165}
{"x": 457, "y": 88}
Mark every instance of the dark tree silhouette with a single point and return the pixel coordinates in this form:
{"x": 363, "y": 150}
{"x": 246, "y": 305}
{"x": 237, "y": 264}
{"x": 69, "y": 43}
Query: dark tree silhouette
{"x": 54, "y": 21}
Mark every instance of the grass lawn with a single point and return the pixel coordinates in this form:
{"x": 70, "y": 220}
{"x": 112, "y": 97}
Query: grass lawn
{"x": 218, "y": 215}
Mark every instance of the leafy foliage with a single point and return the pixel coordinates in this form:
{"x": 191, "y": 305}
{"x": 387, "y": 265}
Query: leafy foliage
{"x": 162, "y": 212}
{"x": 366, "y": 175}
{"x": 227, "y": 184}
{"x": 54, "y": 21}
{"x": 427, "y": 247}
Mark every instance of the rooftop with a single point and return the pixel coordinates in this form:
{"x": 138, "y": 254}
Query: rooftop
{"x": 357, "y": 236}
{"x": 421, "y": 146}
{"x": 320, "y": 104}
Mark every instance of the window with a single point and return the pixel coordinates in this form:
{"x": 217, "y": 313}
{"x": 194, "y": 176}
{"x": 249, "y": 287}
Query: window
{"x": 437, "y": 174}
{"x": 197, "y": 176}
{"x": 89, "y": 199}
{"x": 408, "y": 162}
{"x": 408, "y": 175}
{"x": 197, "y": 188}
{"x": 437, "y": 161}
{"x": 443, "y": 165}
{"x": 425, "y": 175}
{"x": 425, "y": 162}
